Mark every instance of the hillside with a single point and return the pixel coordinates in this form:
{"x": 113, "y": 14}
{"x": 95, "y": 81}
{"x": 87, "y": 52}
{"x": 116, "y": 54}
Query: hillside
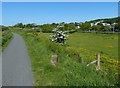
{"x": 108, "y": 20}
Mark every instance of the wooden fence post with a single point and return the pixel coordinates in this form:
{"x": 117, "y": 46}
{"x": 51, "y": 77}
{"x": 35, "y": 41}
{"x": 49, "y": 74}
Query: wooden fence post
{"x": 54, "y": 60}
{"x": 98, "y": 62}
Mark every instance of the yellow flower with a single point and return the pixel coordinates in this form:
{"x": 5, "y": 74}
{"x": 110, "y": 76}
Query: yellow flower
{"x": 110, "y": 46}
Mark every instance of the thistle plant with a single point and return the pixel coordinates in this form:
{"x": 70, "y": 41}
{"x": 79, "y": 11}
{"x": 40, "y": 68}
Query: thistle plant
{"x": 59, "y": 35}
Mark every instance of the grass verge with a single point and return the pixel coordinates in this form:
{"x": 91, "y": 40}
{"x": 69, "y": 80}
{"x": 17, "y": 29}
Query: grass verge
{"x": 6, "y": 37}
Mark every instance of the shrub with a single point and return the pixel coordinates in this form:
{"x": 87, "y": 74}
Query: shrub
{"x": 59, "y": 35}
{"x": 6, "y": 36}
{"x": 4, "y": 28}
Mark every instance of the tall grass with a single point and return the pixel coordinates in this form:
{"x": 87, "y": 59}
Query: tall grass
{"x": 84, "y": 47}
{"x": 6, "y": 36}
{"x": 69, "y": 71}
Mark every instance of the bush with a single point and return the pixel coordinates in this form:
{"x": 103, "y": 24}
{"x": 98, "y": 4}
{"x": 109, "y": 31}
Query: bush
{"x": 6, "y": 36}
{"x": 4, "y": 28}
{"x": 59, "y": 35}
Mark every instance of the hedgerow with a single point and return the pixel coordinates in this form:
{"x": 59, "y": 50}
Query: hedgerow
{"x": 6, "y": 37}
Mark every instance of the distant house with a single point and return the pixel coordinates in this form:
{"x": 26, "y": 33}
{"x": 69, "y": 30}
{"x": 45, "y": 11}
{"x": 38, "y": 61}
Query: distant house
{"x": 77, "y": 27}
{"x": 114, "y": 23}
{"x": 81, "y": 23}
{"x": 92, "y": 24}
{"x": 33, "y": 28}
{"x": 106, "y": 24}
{"x": 98, "y": 22}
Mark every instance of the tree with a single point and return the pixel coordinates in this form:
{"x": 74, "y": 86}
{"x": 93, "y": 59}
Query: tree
{"x": 30, "y": 25}
{"x": 20, "y": 25}
{"x": 68, "y": 27}
{"x": 106, "y": 28}
{"x": 117, "y": 27}
{"x": 85, "y": 26}
{"x": 46, "y": 28}
{"x": 97, "y": 28}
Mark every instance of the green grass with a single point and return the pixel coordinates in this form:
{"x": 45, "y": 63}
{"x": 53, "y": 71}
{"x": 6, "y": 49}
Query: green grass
{"x": 69, "y": 72}
{"x": 90, "y": 44}
{"x": 96, "y": 43}
{"x": 5, "y": 38}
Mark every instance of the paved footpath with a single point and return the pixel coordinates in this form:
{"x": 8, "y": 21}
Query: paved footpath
{"x": 16, "y": 64}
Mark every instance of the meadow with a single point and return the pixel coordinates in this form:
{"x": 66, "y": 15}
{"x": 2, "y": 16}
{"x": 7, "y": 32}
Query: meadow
{"x": 70, "y": 71}
{"x": 90, "y": 44}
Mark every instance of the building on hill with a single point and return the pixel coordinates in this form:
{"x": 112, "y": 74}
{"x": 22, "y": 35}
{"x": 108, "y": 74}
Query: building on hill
{"x": 77, "y": 27}
{"x": 92, "y": 24}
{"x": 106, "y": 24}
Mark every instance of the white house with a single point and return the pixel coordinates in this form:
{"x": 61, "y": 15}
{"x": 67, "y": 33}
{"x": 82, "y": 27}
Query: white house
{"x": 77, "y": 27}
{"x": 92, "y": 24}
{"x": 114, "y": 23}
{"x": 98, "y": 22}
{"x": 106, "y": 24}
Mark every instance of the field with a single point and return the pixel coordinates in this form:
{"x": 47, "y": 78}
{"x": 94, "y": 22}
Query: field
{"x": 70, "y": 71}
{"x": 91, "y": 44}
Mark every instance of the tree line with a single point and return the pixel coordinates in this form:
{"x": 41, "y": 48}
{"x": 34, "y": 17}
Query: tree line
{"x": 76, "y": 26}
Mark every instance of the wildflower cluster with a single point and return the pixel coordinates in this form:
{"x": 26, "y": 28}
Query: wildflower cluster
{"x": 59, "y": 35}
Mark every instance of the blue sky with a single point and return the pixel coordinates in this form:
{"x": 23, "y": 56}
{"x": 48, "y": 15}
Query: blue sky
{"x": 55, "y": 12}
{"x": 60, "y": 0}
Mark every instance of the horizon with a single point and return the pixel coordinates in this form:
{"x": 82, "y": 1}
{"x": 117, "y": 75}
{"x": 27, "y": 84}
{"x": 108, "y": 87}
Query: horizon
{"x": 57, "y": 23}
{"x": 56, "y": 12}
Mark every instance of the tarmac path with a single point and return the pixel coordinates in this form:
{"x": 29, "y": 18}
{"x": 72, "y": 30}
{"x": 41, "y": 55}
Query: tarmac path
{"x": 16, "y": 64}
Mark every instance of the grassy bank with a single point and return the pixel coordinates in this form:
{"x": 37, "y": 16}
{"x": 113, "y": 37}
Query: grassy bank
{"x": 6, "y": 37}
{"x": 68, "y": 72}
